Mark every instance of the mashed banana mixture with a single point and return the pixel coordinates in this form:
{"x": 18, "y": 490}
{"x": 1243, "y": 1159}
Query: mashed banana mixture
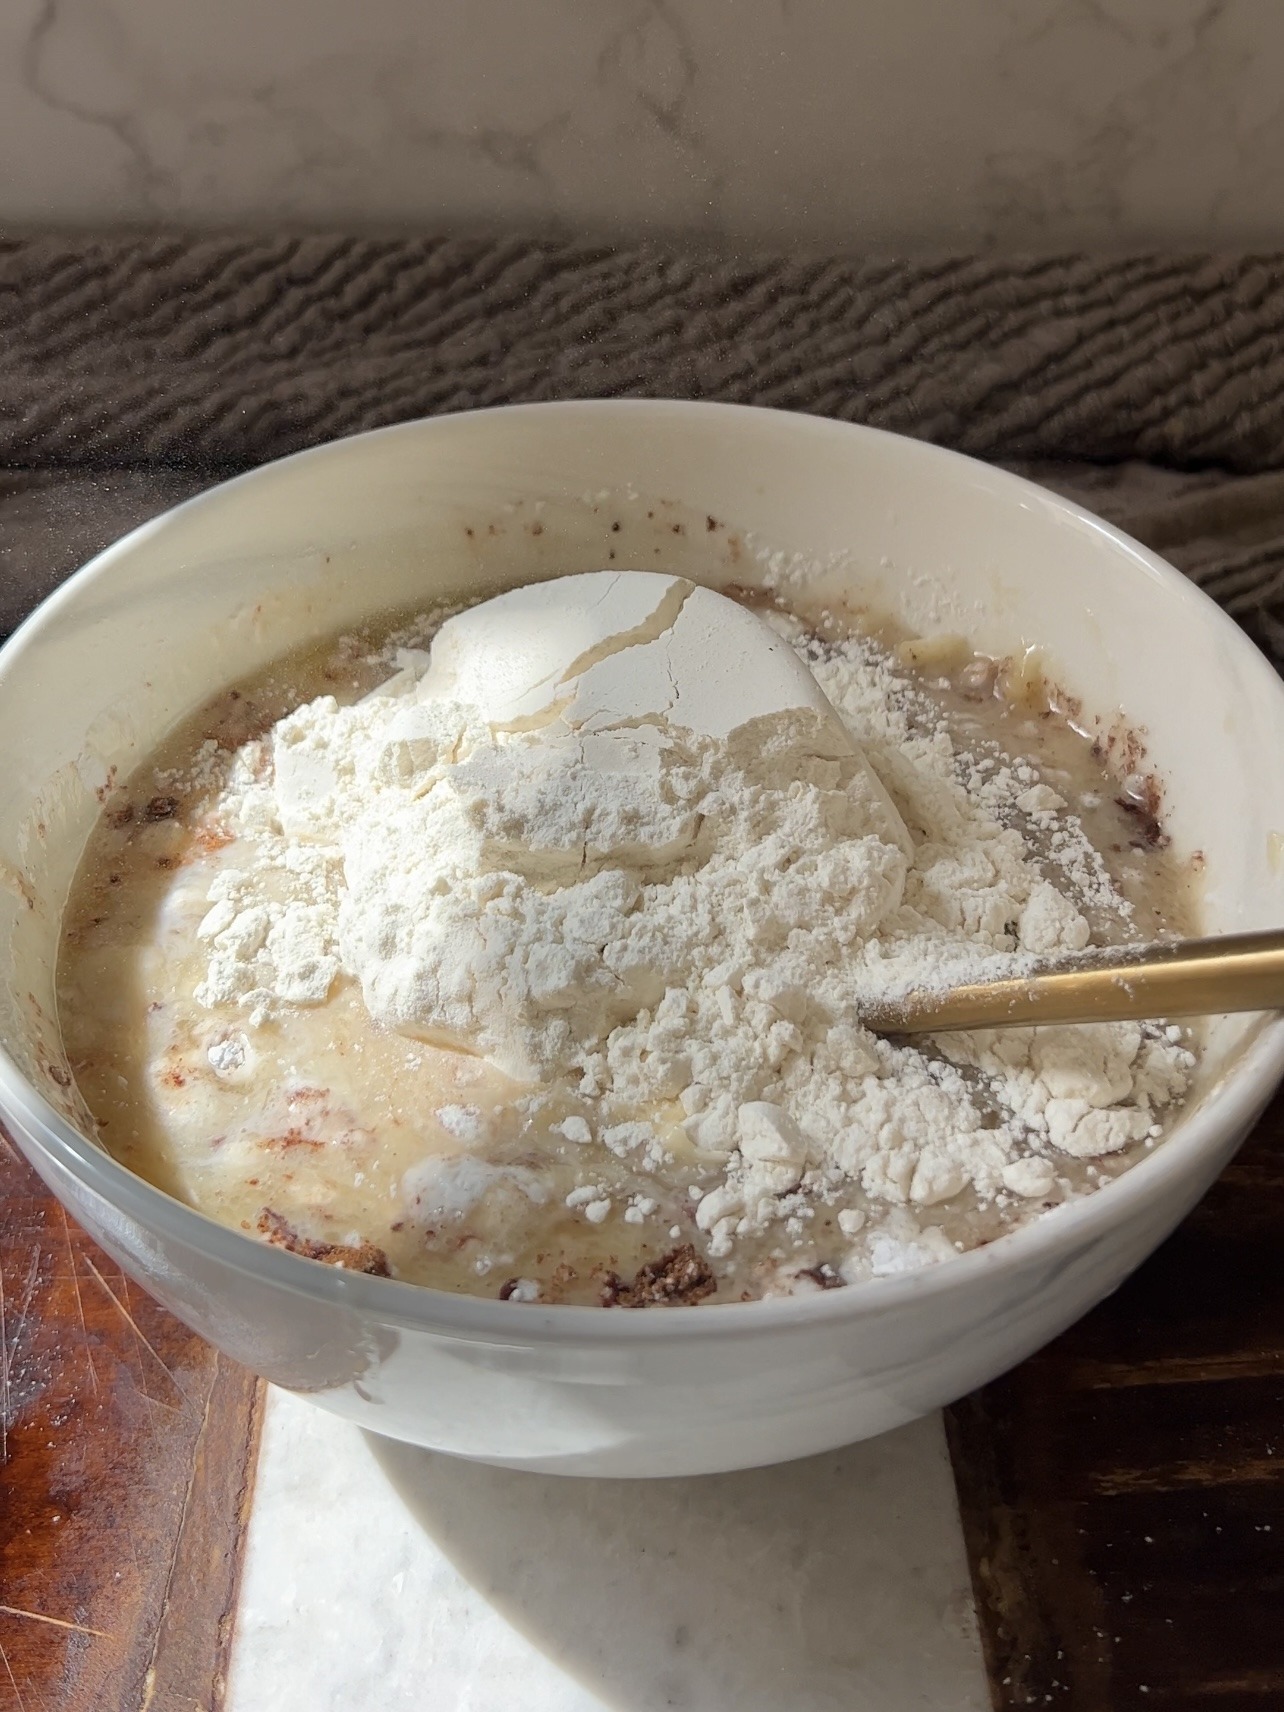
{"x": 521, "y": 951}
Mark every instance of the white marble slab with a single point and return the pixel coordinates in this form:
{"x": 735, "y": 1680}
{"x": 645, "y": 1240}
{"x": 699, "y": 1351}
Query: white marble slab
{"x": 380, "y": 1578}
{"x": 888, "y": 122}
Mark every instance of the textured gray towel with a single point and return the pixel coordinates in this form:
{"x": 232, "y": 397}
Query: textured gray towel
{"x": 135, "y": 367}
{"x": 224, "y": 350}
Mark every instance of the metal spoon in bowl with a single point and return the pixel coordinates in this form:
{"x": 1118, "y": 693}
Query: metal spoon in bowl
{"x": 1177, "y": 978}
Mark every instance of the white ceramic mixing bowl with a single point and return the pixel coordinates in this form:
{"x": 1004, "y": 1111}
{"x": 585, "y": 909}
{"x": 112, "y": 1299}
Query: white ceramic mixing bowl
{"x": 166, "y": 617}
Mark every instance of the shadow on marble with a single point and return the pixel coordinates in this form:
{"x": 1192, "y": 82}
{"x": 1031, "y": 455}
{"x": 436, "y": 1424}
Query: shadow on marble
{"x": 839, "y": 1582}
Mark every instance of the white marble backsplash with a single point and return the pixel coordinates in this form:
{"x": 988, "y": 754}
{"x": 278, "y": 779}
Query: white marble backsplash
{"x": 852, "y": 123}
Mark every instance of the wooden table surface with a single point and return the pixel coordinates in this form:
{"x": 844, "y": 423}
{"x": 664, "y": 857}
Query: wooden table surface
{"x": 126, "y": 1462}
{"x": 1123, "y": 1491}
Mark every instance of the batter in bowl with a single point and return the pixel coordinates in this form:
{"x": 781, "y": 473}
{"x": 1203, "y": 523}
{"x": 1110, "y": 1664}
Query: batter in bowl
{"x": 521, "y": 951}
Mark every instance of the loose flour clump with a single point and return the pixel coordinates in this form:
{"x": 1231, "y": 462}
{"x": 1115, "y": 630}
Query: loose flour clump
{"x": 666, "y": 931}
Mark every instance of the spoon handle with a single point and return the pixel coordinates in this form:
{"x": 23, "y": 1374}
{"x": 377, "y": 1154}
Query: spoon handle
{"x": 1182, "y": 977}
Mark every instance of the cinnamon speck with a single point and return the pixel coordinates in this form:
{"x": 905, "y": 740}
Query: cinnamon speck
{"x": 355, "y": 1257}
{"x": 679, "y": 1277}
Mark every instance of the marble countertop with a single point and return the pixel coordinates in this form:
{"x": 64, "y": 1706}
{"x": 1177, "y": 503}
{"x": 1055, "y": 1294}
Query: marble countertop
{"x": 892, "y": 124}
{"x": 382, "y": 1578}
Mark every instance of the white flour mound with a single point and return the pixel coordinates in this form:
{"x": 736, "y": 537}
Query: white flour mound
{"x": 615, "y": 838}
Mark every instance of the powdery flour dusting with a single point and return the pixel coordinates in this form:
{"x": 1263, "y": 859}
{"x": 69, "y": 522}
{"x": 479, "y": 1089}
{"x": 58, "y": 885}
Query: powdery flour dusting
{"x": 592, "y": 873}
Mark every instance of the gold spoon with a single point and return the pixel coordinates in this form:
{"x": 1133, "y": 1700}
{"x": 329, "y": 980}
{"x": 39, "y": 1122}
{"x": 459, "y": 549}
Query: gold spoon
{"x": 1177, "y": 978}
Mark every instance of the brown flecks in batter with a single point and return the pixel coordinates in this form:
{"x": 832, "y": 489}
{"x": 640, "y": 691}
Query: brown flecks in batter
{"x": 210, "y": 837}
{"x": 564, "y": 1276}
{"x": 1143, "y": 803}
{"x": 354, "y": 1257}
{"x": 825, "y": 1276}
{"x": 291, "y": 1138}
{"x": 679, "y": 1277}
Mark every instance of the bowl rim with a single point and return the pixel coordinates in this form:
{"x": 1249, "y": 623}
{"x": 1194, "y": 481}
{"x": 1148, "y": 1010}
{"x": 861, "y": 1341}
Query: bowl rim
{"x": 1056, "y": 1235}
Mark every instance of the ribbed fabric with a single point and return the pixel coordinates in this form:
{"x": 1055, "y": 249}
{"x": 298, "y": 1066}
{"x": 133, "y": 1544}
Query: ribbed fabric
{"x": 229, "y": 350}
{"x": 159, "y": 360}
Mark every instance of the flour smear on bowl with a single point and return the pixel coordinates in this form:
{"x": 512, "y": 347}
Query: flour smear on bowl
{"x": 520, "y": 987}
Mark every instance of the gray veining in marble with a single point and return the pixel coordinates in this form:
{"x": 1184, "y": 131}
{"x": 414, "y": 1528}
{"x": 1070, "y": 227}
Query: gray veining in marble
{"x": 889, "y": 122}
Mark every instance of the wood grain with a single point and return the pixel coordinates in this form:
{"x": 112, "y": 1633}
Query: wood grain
{"x": 127, "y": 1450}
{"x": 1123, "y": 1491}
